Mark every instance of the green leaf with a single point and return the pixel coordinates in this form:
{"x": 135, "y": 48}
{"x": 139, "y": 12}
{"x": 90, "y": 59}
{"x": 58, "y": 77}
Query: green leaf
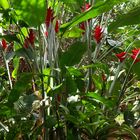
{"x": 16, "y": 61}
{"x": 71, "y": 86}
{"x": 73, "y": 4}
{"x": 20, "y": 87}
{"x": 4, "y": 4}
{"x": 32, "y": 11}
{"x": 100, "y": 99}
{"x": 74, "y": 71}
{"x": 73, "y": 55}
{"x": 131, "y": 18}
{"x": 10, "y": 38}
{"x": 96, "y": 10}
{"x": 74, "y": 32}
{"x": 135, "y": 69}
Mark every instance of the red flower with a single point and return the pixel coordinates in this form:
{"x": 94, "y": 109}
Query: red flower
{"x": 29, "y": 40}
{"x": 121, "y": 56}
{"x": 26, "y": 43}
{"x": 31, "y": 36}
{"x": 135, "y": 53}
{"x": 4, "y": 44}
{"x": 57, "y": 26}
{"x": 49, "y": 16}
{"x": 85, "y": 7}
{"x": 98, "y": 33}
{"x": 82, "y": 27}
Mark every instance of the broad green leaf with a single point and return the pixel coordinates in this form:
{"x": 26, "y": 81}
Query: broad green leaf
{"x": 131, "y": 18}
{"x": 20, "y": 87}
{"x": 96, "y": 10}
{"x": 4, "y": 4}
{"x": 74, "y": 71}
{"x": 135, "y": 69}
{"x": 100, "y": 99}
{"x": 97, "y": 81}
{"x": 71, "y": 86}
{"x": 72, "y": 1}
{"x": 73, "y": 55}
{"x": 10, "y": 37}
{"x": 75, "y": 32}
{"x": 31, "y": 11}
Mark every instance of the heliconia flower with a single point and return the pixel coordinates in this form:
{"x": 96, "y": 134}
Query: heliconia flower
{"x": 121, "y": 56}
{"x": 57, "y": 26}
{"x": 29, "y": 40}
{"x": 26, "y": 43}
{"x": 31, "y": 36}
{"x": 135, "y": 53}
{"x": 49, "y": 17}
{"x": 85, "y": 7}
{"x": 82, "y": 26}
{"x": 98, "y": 33}
{"x": 4, "y": 44}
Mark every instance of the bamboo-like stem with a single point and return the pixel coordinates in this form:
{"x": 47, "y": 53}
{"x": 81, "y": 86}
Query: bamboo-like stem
{"x": 122, "y": 91}
{"x": 8, "y": 70}
{"x": 42, "y": 86}
{"x": 115, "y": 78}
{"x": 118, "y": 70}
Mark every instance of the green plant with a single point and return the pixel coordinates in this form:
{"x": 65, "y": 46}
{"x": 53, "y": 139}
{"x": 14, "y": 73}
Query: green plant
{"x": 72, "y": 69}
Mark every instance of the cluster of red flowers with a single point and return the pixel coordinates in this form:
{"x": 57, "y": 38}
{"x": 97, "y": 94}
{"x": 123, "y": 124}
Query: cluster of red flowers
{"x": 121, "y": 56}
{"x": 30, "y": 39}
{"x": 98, "y": 33}
{"x": 49, "y": 19}
{"x": 98, "y": 30}
{"x": 135, "y": 52}
{"x": 4, "y": 44}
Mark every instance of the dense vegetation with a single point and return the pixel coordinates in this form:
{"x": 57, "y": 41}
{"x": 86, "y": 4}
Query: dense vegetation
{"x": 69, "y": 69}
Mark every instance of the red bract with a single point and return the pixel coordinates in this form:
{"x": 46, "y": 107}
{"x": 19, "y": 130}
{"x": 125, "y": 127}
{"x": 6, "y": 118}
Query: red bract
{"x": 4, "y": 44}
{"x": 31, "y": 36}
{"x": 98, "y": 33}
{"x": 57, "y": 26}
{"x": 49, "y": 16}
{"x": 26, "y": 43}
{"x": 29, "y": 40}
{"x": 82, "y": 26}
{"x": 134, "y": 56}
{"x": 121, "y": 56}
{"x": 85, "y": 7}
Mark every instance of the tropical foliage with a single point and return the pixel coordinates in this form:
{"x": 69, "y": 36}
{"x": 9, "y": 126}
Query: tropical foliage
{"x": 69, "y": 70}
